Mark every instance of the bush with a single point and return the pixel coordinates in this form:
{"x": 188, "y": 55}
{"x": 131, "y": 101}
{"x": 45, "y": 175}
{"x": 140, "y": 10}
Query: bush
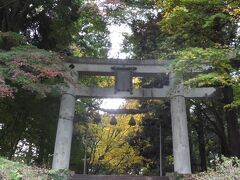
{"x": 11, "y": 39}
{"x": 10, "y": 170}
{"x": 222, "y": 168}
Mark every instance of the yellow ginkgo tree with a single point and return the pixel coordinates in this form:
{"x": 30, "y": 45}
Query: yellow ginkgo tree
{"x": 108, "y": 147}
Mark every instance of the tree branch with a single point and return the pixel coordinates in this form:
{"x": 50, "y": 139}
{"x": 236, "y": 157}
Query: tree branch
{"x": 8, "y": 4}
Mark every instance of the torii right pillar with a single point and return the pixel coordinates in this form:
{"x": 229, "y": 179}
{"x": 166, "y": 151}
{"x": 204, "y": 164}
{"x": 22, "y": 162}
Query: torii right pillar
{"x": 181, "y": 151}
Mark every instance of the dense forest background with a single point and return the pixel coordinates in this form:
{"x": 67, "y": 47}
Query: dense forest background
{"x": 35, "y": 34}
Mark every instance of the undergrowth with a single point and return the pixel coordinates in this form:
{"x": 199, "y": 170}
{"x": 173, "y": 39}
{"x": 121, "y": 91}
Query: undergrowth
{"x": 221, "y": 169}
{"x": 10, "y": 170}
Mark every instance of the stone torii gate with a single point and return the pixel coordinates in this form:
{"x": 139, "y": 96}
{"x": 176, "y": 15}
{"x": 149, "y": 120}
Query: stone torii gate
{"x": 124, "y": 70}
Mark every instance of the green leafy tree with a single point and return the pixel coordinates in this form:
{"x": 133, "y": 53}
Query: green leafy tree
{"x": 33, "y": 76}
{"x": 197, "y": 34}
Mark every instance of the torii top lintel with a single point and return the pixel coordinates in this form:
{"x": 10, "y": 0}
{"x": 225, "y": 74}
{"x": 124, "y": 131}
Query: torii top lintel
{"x": 94, "y": 66}
{"x": 104, "y": 66}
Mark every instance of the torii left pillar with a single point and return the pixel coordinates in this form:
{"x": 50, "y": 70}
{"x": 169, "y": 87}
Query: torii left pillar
{"x": 62, "y": 150}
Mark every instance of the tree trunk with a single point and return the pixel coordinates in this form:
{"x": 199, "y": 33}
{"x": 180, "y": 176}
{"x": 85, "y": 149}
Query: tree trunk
{"x": 199, "y": 127}
{"x": 232, "y": 123}
{"x": 201, "y": 145}
{"x": 40, "y": 158}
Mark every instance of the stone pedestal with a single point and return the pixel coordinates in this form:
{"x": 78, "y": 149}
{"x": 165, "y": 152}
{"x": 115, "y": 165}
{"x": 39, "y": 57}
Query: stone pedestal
{"x": 181, "y": 149}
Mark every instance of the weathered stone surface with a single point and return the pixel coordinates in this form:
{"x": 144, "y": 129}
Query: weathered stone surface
{"x": 181, "y": 151}
{"x": 62, "y": 149}
{"x": 165, "y": 92}
{"x": 63, "y": 141}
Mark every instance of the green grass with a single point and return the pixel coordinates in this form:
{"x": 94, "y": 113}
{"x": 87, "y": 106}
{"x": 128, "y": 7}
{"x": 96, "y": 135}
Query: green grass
{"x": 10, "y": 170}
